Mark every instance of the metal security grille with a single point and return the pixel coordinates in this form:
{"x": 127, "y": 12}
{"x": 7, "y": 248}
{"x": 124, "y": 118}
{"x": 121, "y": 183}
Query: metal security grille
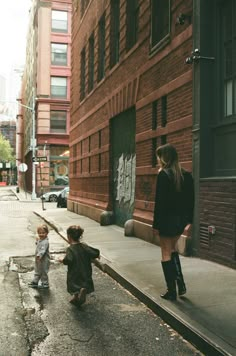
{"x": 204, "y": 235}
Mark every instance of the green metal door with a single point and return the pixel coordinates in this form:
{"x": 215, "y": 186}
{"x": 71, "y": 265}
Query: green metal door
{"x": 124, "y": 165}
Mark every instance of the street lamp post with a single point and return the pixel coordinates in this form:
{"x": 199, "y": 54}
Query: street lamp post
{"x": 33, "y": 146}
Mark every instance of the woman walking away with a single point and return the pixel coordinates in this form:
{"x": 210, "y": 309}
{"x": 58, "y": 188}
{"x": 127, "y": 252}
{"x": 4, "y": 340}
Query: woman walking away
{"x": 173, "y": 215}
{"x": 78, "y": 260}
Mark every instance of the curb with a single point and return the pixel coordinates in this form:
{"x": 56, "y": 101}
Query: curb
{"x": 200, "y": 341}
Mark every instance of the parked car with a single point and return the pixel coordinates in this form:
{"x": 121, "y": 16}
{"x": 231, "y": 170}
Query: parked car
{"x": 62, "y": 198}
{"x": 51, "y": 196}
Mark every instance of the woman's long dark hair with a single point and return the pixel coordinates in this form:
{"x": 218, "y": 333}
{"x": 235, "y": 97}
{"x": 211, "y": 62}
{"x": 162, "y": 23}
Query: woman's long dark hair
{"x": 168, "y": 157}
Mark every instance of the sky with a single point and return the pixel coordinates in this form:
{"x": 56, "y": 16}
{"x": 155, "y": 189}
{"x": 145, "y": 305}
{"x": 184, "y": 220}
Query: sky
{"x": 14, "y": 19}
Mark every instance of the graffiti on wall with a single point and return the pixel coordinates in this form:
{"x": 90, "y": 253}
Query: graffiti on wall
{"x": 125, "y": 179}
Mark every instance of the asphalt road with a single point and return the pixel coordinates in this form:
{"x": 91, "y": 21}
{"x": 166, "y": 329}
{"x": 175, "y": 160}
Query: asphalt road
{"x": 44, "y": 323}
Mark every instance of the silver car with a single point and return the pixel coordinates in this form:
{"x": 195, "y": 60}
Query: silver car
{"x": 51, "y": 196}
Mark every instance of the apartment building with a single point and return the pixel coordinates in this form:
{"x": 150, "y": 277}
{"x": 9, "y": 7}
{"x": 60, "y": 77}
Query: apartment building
{"x": 45, "y": 96}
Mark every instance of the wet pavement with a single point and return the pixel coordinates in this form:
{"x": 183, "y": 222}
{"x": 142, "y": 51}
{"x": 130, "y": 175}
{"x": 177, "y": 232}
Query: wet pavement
{"x": 43, "y": 322}
{"x": 206, "y": 315}
{"x": 111, "y": 322}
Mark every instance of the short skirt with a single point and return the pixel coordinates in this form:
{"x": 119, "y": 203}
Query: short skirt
{"x": 172, "y": 225}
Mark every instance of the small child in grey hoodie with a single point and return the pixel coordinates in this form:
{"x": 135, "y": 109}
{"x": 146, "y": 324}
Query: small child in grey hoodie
{"x": 42, "y": 259}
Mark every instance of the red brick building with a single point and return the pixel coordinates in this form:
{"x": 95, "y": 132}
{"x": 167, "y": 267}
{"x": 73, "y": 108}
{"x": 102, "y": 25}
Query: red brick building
{"x": 46, "y": 89}
{"x": 131, "y": 91}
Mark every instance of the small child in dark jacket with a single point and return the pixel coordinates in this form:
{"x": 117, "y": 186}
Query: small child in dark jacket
{"x": 78, "y": 259}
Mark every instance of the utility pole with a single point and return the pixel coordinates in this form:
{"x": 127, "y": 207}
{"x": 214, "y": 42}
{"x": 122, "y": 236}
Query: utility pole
{"x": 33, "y": 196}
{"x": 33, "y": 145}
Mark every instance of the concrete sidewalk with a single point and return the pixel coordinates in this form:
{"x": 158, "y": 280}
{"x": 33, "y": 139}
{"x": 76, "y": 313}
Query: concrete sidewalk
{"x": 206, "y": 315}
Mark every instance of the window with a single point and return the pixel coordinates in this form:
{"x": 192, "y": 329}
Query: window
{"x": 115, "y": 33}
{"x": 154, "y": 115}
{"x": 101, "y": 48}
{"x": 58, "y": 121}
{"x": 59, "y": 87}
{"x": 59, "y": 54}
{"x": 132, "y": 17}
{"x": 163, "y": 111}
{"x": 160, "y": 17}
{"x": 154, "y": 147}
{"x": 83, "y": 4}
{"x": 91, "y": 63}
{"x": 59, "y": 21}
{"x": 229, "y": 52}
{"x": 82, "y": 74}
{"x": 222, "y": 157}
{"x": 59, "y": 166}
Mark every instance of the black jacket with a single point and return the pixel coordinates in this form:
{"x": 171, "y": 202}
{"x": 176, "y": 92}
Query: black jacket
{"x": 173, "y": 210}
{"x": 79, "y": 261}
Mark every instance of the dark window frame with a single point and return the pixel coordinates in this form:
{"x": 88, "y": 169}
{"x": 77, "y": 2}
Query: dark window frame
{"x": 91, "y": 63}
{"x": 101, "y": 47}
{"x": 114, "y": 33}
{"x": 83, "y": 6}
{"x": 82, "y": 74}
{"x": 132, "y": 23}
{"x": 160, "y": 23}
{"x": 164, "y": 111}
{"x": 228, "y": 50}
{"x": 154, "y": 114}
{"x": 54, "y": 129}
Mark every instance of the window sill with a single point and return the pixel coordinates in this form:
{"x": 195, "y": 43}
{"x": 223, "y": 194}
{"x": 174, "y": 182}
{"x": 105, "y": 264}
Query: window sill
{"x": 159, "y": 46}
{"x": 131, "y": 50}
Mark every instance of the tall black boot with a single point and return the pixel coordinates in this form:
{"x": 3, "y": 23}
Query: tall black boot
{"x": 179, "y": 275}
{"x": 170, "y": 277}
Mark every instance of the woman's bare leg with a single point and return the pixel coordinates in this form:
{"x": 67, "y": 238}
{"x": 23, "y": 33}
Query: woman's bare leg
{"x": 168, "y": 245}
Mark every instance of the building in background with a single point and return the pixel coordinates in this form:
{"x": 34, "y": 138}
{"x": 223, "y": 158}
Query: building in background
{"x": 2, "y": 89}
{"x": 8, "y": 131}
{"x": 44, "y": 104}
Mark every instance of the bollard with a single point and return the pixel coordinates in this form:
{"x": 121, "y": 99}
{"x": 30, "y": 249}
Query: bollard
{"x": 17, "y": 189}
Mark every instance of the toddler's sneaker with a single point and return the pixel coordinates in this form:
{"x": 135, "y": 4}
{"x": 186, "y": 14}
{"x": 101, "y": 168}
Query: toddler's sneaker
{"x": 33, "y": 284}
{"x": 81, "y": 299}
{"x": 43, "y": 286}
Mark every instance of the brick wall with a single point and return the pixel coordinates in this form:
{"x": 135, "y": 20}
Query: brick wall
{"x": 218, "y": 208}
{"x": 139, "y": 79}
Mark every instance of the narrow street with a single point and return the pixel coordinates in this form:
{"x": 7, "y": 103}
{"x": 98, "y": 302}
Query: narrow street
{"x": 36, "y": 322}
